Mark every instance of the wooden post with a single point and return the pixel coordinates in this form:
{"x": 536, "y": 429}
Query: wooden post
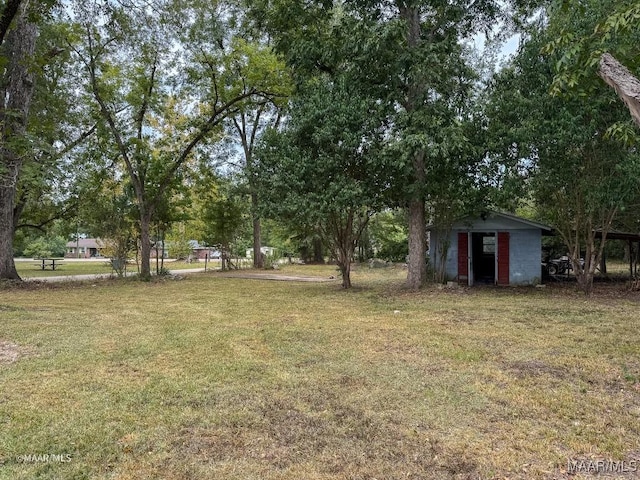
{"x": 502, "y": 242}
{"x": 206, "y": 260}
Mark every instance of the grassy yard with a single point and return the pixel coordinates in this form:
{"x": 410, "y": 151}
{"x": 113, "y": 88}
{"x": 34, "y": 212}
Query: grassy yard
{"x": 224, "y": 378}
{"x": 29, "y": 269}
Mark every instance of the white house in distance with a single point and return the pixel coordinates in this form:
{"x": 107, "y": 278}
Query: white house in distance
{"x": 493, "y": 248}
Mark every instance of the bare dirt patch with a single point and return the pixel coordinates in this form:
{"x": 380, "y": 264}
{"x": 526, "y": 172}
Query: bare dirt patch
{"x": 9, "y": 352}
{"x": 536, "y": 368}
{"x": 275, "y": 277}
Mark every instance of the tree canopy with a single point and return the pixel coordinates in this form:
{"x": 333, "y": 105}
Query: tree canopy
{"x": 324, "y": 167}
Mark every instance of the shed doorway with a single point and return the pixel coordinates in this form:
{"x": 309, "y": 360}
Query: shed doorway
{"x": 483, "y": 251}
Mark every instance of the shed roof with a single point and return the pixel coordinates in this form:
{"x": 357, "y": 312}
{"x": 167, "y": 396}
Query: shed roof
{"x": 492, "y": 220}
{"x": 618, "y": 235}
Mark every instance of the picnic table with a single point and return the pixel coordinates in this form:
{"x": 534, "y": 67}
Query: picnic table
{"x": 51, "y": 263}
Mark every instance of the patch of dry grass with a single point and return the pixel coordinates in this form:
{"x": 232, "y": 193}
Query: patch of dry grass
{"x": 215, "y": 377}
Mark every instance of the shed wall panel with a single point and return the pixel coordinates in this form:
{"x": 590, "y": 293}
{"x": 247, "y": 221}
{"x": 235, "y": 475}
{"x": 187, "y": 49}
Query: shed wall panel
{"x": 525, "y": 267}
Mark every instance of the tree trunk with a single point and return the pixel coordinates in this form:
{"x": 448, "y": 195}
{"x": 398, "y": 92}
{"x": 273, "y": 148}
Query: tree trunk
{"x": 225, "y": 257}
{"x": 318, "y": 253}
{"x": 145, "y": 246}
{"x": 417, "y": 266}
{"x": 258, "y": 261}
{"x": 585, "y": 272}
{"x": 7, "y": 195}
{"x": 343, "y": 237}
{"x": 16, "y": 95}
{"x": 344, "y": 253}
{"x": 345, "y": 270}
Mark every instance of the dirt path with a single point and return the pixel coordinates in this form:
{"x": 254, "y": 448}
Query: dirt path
{"x": 235, "y": 274}
{"x": 275, "y": 276}
{"x": 96, "y": 276}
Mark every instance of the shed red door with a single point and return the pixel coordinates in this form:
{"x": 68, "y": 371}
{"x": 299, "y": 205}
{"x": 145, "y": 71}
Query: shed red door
{"x": 503, "y": 258}
{"x": 463, "y": 258}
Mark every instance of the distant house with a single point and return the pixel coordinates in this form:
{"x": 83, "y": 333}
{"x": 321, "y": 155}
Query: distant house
{"x": 84, "y": 248}
{"x": 201, "y": 252}
{"x": 159, "y": 249}
{"x": 267, "y": 251}
{"x": 493, "y": 248}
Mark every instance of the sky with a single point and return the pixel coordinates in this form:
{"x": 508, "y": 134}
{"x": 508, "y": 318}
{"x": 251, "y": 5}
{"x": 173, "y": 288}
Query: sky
{"x": 510, "y": 47}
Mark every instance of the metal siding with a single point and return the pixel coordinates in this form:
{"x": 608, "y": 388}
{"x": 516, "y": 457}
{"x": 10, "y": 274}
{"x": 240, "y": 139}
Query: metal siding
{"x": 525, "y": 257}
{"x": 451, "y": 266}
{"x": 524, "y": 254}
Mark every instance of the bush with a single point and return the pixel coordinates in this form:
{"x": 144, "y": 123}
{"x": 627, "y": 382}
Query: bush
{"x": 46, "y": 247}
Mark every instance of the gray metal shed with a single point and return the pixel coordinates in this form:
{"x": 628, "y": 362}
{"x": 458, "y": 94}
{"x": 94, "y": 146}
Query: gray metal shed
{"x": 493, "y": 248}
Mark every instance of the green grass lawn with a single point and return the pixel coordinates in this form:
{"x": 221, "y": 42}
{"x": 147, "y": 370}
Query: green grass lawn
{"x": 29, "y": 269}
{"x": 223, "y": 378}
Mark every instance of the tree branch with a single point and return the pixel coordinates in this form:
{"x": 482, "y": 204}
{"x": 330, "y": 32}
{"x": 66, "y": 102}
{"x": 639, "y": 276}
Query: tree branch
{"x": 623, "y": 82}
{"x": 145, "y": 101}
{"x": 106, "y": 113}
{"x": 40, "y": 226}
{"x": 217, "y": 116}
{"x": 77, "y": 141}
{"x": 8, "y": 13}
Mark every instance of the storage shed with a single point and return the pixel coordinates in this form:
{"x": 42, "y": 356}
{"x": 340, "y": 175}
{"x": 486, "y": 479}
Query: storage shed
{"x": 493, "y": 248}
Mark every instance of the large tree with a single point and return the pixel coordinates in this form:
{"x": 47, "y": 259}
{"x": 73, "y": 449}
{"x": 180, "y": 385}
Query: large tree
{"x": 578, "y": 175}
{"x": 162, "y": 83}
{"x": 426, "y": 74}
{"x": 409, "y": 56}
{"x": 253, "y": 118}
{"x": 324, "y": 167}
{"x": 43, "y": 124}
{"x": 17, "y": 88}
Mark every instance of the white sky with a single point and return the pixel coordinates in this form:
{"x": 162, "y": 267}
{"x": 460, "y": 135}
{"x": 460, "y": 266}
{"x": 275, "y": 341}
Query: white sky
{"x": 510, "y": 47}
